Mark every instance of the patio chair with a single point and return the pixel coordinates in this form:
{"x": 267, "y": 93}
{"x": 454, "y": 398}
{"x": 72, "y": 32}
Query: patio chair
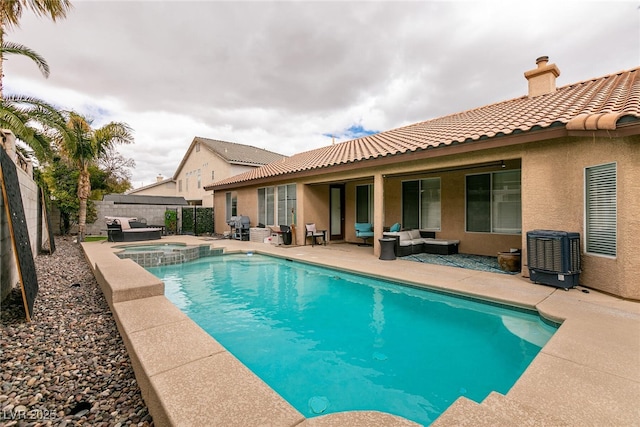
{"x": 364, "y": 231}
{"x": 314, "y": 234}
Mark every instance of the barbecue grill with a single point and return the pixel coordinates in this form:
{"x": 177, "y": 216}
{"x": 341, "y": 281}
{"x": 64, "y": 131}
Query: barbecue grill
{"x": 239, "y": 227}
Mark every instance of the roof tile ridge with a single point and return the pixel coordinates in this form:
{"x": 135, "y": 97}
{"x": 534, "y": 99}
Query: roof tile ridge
{"x": 604, "y": 77}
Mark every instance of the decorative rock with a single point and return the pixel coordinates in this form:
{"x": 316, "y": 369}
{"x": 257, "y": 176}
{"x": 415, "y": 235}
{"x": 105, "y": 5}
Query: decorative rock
{"x": 69, "y": 354}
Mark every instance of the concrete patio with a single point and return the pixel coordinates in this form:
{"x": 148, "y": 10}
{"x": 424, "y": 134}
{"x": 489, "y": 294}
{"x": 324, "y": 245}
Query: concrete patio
{"x": 587, "y": 374}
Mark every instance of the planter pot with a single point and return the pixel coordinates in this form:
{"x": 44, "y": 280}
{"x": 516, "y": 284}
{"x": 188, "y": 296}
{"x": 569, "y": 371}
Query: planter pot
{"x": 509, "y": 261}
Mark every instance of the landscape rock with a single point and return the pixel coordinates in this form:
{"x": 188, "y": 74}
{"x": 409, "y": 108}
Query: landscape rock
{"x": 63, "y": 368}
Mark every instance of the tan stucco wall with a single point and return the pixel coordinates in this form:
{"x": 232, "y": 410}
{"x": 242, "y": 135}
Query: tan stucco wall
{"x": 553, "y": 198}
{"x": 165, "y": 189}
{"x": 206, "y": 162}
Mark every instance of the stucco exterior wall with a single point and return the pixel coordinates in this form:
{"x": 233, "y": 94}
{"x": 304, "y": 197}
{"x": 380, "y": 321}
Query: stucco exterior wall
{"x": 211, "y": 167}
{"x": 553, "y": 198}
{"x": 453, "y": 204}
{"x": 165, "y": 189}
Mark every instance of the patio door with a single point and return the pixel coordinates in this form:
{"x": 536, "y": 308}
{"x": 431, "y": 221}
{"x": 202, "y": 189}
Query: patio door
{"x": 336, "y": 207}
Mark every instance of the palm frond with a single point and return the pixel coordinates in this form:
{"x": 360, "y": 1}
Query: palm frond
{"x": 111, "y": 134}
{"x": 33, "y": 121}
{"x": 15, "y": 48}
{"x": 52, "y": 9}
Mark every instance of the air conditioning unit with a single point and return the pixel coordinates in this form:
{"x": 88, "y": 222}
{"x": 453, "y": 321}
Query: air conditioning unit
{"x": 553, "y": 257}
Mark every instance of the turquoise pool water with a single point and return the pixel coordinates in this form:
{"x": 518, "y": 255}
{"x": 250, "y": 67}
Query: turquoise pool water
{"x": 330, "y": 341}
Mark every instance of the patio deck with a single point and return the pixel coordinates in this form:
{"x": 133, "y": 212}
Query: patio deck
{"x": 587, "y": 374}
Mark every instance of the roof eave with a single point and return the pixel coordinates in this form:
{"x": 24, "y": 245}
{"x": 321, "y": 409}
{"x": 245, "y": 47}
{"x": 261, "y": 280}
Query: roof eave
{"x": 552, "y": 132}
{"x": 622, "y": 130}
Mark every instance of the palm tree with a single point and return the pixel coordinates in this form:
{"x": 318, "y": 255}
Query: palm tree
{"x": 33, "y": 121}
{"x": 85, "y": 146}
{"x": 11, "y": 12}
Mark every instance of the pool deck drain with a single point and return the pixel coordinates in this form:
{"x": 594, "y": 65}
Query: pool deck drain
{"x": 587, "y": 374}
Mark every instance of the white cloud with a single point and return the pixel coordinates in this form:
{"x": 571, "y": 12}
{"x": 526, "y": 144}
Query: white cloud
{"x": 280, "y": 75}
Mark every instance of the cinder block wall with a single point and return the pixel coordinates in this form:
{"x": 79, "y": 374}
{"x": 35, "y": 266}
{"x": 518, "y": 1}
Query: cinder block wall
{"x": 154, "y": 214}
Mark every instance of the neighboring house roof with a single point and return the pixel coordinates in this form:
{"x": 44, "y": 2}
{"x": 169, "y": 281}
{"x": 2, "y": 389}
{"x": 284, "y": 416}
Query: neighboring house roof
{"x": 232, "y": 153}
{"x": 126, "y": 199}
{"x": 146, "y": 187}
{"x": 600, "y": 104}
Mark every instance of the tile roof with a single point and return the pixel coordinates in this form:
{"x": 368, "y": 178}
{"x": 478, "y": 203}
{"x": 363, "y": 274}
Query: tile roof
{"x": 240, "y": 153}
{"x": 595, "y": 104}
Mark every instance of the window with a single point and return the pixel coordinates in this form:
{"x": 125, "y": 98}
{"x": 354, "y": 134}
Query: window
{"x": 364, "y": 203}
{"x": 232, "y": 204}
{"x": 199, "y": 179}
{"x": 197, "y": 147}
{"x": 421, "y": 206}
{"x": 180, "y": 185}
{"x": 601, "y": 210}
{"x": 494, "y": 202}
{"x": 286, "y": 204}
{"x": 272, "y": 211}
{"x": 213, "y": 174}
{"x": 266, "y": 203}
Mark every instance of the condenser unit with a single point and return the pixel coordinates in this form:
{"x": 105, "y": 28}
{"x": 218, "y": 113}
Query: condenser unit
{"x": 553, "y": 257}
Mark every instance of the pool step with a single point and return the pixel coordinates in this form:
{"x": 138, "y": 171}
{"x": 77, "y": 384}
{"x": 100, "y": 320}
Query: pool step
{"x": 495, "y": 410}
{"x": 464, "y": 412}
{"x": 525, "y": 415}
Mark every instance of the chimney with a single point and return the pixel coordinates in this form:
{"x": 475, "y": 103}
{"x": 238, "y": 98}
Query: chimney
{"x": 159, "y": 178}
{"x": 542, "y": 80}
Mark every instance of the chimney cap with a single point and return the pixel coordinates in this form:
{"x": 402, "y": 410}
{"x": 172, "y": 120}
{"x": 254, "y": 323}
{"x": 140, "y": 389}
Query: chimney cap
{"x": 542, "y": 61}
{"x": 542, "y": 79}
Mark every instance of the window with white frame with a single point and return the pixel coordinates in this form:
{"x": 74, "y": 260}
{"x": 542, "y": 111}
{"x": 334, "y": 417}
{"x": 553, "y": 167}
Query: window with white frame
{"x": 421, "y": 205}
{"x": 364, "y": 203}
{"x": 231, "y": 206}
{"x": 180, "y": 185}
{"x": 494, "y": 202}
{"x": 276, "y": 205}
{"x": 266, "y": 203}
{"x": 286, "y": 204}
{"x": 601, "y": 209}
{"x": 199, "y": 178}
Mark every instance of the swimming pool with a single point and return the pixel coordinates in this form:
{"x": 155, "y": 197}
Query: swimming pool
{"x": 330, "y": 341}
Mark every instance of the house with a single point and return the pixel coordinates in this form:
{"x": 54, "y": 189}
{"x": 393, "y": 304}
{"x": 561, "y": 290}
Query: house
{"x": 205, "y": 161}
{"x": 162, "y": 187}
{"x": 560, "y": 158}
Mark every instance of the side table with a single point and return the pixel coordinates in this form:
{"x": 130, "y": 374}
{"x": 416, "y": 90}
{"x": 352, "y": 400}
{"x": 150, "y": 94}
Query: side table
{"x": 387, "y": 249}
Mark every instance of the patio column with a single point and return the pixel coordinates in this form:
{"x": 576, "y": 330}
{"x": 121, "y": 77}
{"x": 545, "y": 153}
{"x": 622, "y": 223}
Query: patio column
{"x": 378, "y": 211}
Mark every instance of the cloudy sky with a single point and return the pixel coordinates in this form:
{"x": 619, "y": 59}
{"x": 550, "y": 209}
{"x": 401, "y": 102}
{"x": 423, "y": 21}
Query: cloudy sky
{"x": 287, "y": 76}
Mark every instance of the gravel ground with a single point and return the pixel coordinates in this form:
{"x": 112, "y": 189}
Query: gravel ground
{"x": 68, "y": 366}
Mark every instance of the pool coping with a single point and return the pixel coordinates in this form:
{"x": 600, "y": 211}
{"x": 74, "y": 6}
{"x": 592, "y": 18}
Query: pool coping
{"x": 187, "y": 378}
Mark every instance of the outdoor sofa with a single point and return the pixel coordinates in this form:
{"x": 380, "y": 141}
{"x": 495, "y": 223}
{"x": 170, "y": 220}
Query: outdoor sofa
{"x": 121, "y": 229}
{"x": 415, "y": 241}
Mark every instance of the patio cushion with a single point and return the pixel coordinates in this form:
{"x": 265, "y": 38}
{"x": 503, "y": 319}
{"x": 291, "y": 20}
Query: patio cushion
{"x": 414, "y": 234}
{"x": 441, "y": 241}
{"x": 123, "y": 221}
{"x": 395, "y": 227}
